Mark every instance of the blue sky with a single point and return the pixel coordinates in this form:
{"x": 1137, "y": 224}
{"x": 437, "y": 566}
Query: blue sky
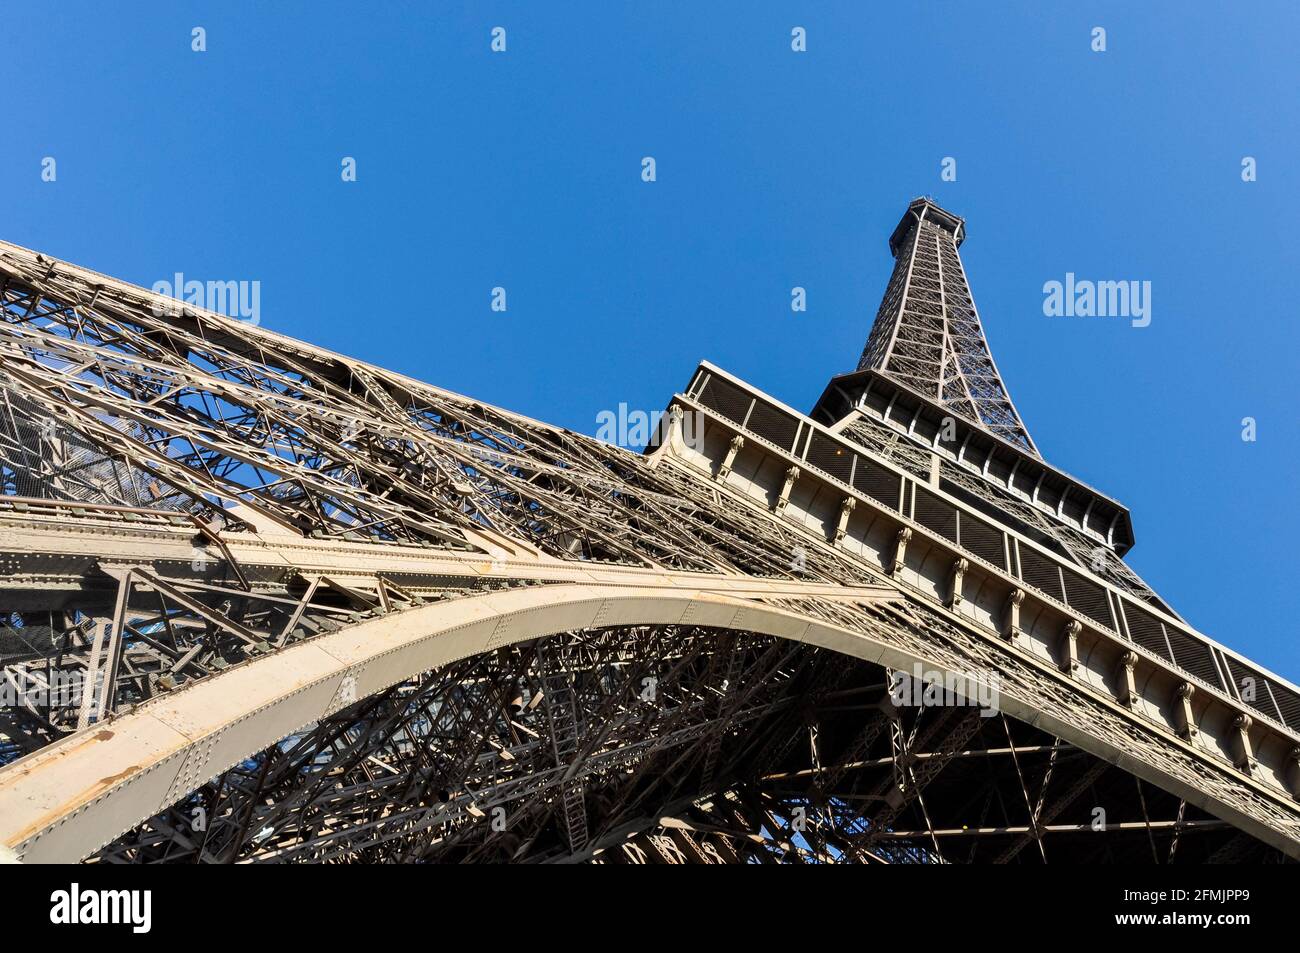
{"x": 774, "y": 169}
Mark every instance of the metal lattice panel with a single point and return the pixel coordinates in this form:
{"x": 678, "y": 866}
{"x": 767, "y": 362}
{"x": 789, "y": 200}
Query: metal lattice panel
{"x": 927, "y": 333}
{"x": 335, "y": 614}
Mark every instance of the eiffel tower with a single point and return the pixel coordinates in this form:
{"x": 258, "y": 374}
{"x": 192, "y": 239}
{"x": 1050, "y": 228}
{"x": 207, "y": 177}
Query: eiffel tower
{"x": 266, "y": 603}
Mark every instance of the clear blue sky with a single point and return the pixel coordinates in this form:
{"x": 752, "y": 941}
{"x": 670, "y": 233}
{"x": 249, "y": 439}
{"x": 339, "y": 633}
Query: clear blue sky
{"x": 775, "y": 169}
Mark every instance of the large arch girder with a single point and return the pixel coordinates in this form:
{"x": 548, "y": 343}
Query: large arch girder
{"x": 68, "y": 799}
{"x": 263, "y": 524}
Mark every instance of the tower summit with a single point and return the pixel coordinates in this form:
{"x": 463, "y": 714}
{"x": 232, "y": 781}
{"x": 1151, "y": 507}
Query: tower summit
{"x": 927, "y": 334}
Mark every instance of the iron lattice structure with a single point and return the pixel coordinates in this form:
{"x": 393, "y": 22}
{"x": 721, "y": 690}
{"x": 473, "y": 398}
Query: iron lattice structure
{"x": 928, "y": 334}
{"x": 265, "y": 603}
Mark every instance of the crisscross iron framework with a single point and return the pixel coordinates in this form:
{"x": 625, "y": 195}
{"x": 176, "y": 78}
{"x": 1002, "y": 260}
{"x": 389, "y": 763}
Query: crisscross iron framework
{"x": 184, "y": 498}
{"x": 928, "y": 334}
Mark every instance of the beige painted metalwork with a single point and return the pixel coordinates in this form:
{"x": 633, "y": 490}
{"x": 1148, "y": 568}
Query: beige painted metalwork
{"x": 347, "y": 614}
{"x": 69, "y": 799}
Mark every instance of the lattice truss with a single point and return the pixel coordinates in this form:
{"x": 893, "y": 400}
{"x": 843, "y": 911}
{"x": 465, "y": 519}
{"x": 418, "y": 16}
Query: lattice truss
{"x": 620, "y": 744}
{"x": 600, "y": 744}
{"x": 103, "y": 402}
{"x": 927, "y": 333}
{"x": 100, "y": 401}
